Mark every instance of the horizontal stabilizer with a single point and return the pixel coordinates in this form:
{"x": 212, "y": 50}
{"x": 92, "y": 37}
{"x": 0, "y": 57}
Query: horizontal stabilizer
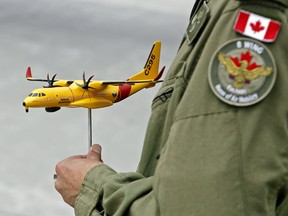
{"x": 30, "y": 77}
{"x": 51, "y": 82}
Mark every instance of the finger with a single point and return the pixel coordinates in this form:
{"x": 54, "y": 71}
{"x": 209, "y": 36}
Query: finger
{"x": 58, "y": 186}
{"x": 95, "y": 152}
{"x": 59, "y": 167}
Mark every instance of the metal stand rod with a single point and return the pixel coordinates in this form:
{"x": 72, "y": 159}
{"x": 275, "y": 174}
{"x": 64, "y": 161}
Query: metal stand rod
{"x": 89, "y": 128}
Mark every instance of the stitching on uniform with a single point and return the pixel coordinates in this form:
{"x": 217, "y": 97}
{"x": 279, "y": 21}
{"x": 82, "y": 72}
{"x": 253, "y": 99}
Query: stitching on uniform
{"x": 199, "y": 115}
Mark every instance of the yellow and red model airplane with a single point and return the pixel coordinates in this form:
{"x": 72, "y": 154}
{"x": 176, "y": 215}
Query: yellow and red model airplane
{"x": 90, "y": 93}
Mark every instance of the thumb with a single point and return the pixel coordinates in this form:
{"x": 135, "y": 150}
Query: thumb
{"x": 95, "y": 152}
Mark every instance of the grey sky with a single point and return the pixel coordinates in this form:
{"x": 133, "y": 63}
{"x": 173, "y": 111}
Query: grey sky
{"x": 110, "y": 40}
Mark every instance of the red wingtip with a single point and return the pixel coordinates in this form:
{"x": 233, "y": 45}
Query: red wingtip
{"x": 160, "y": 74}
{"x": 28, "y": 73}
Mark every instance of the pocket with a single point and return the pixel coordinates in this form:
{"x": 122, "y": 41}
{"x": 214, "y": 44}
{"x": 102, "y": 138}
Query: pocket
{"x": 195, "y": 162}
{"x": 163, "y": 108}
{"x": 165, "y": 103}
{"x": 168, "y": 99}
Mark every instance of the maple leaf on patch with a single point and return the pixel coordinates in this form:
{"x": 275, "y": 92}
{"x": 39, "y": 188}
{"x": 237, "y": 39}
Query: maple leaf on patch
{"x": 257, "y": 27}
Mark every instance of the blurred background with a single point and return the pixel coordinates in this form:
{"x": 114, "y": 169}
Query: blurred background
{"x": 108, "y": 39}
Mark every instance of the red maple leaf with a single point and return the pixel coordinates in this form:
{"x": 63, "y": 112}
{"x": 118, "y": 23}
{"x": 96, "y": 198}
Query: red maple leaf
{"x": 257, "y": 27}
{"x": 247, "y": 57}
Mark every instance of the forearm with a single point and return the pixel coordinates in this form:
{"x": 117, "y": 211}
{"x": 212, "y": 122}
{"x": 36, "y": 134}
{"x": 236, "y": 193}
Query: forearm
{"x": 106, "y": 191}
{"x": 90, "y": 192}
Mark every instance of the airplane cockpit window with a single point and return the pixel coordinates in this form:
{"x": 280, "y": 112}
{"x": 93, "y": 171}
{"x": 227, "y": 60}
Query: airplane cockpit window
{"x": 37, "y": 95}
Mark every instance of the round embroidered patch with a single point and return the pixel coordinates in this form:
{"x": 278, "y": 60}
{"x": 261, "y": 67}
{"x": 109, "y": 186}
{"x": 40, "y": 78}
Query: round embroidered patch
{"x": 242, "y": 72}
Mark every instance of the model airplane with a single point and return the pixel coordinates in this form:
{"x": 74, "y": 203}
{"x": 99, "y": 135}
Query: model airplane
{"x": 90, "y": 93}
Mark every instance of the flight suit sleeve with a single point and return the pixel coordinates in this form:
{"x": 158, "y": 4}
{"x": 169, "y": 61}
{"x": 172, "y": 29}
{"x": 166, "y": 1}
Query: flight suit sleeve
{"x": 105, "y": 192}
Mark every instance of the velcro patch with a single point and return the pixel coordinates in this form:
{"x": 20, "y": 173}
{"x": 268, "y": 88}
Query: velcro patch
{"x": 256, "y": 26}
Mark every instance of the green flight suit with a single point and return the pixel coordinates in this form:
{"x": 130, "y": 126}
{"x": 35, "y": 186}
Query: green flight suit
{"x": 203, "y": 156}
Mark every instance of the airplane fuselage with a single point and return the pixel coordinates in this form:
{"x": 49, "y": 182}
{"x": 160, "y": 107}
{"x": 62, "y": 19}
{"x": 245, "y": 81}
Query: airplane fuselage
{"x": 72, "y": 96}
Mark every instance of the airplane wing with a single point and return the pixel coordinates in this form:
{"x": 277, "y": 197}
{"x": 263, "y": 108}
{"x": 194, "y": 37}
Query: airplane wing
{"x": 116, "y": 83}
{"x": 51, "y": 82}
{"x": 132, "y": 82}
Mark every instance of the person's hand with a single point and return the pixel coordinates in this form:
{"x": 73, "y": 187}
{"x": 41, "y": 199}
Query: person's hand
{"x": 71, "y": 172}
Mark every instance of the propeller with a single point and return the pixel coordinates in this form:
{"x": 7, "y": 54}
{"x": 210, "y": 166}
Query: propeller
{"x": 50, "y": 81}
{"x": 85, "y": 82}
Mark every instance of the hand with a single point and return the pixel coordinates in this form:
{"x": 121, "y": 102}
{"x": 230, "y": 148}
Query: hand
{"x": 71, "y": 173}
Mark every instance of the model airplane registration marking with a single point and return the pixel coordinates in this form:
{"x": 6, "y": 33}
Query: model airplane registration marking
{"x": 149, "y": 64}
{"x": 90, "y": 93}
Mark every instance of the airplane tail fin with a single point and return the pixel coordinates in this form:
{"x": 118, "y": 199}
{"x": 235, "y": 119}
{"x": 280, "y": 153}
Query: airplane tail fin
{"x": 150, "y": 70}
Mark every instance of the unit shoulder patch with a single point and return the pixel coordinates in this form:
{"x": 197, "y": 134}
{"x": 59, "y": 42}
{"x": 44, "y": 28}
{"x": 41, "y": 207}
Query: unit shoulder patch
{"x": 242, "y": 72}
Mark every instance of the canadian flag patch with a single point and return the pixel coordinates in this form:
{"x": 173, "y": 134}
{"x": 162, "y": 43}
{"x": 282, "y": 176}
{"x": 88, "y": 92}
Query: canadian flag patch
{"x": 256, "y": 26}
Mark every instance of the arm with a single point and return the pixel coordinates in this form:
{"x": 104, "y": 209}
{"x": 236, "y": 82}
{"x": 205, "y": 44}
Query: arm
{"x": 116, "y": 191}
{"x": 90, "y": 186}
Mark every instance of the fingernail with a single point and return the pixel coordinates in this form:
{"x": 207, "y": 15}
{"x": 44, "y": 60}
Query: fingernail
{"x": 96, "y": 148}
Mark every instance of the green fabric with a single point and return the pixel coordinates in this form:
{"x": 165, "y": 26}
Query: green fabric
{"x": 284, "y": 2}
{"x": 201, "y": 156}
